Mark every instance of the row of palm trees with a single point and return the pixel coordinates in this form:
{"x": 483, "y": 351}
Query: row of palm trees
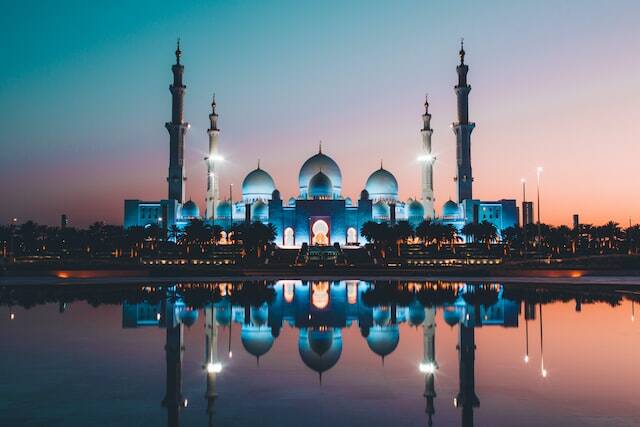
{"x": 105, "y": 241}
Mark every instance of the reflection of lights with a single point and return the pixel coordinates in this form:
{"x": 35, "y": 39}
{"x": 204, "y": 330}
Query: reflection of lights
{"x": 12, "y": 316}
{"x": 158, "y": 316}
{"x": 428, "y": 158}
{"x": 216, "y": 158}
{"x": 214, "y": 368}
{"x": 526, "y": 358}
{"x": 455, "y": 402}
{"x": 185, "y": 403}
{"x": 230, "y": 354}
{"x": 544, "y": 373}
{"x": 427, "y": 368}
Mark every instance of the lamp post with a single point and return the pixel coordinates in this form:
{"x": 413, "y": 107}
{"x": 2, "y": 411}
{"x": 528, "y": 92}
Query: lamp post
{"x": 539, "y": 171}
{"x": 524, "y": 222}
{"x": 230, "y": 205}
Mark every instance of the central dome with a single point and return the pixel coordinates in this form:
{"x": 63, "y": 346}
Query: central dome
{"x": 320, "y": 163}
{"x": 257, "y": 185}
{"x": 320, "y": 186}
{"x": 382, "y": 185}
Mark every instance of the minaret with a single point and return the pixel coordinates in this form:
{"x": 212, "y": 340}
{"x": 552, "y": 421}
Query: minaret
{"x": 427, "y": 164}
{"x": 463, "y": 128}
{"x": 429, "y": 364}
{"x": 467, "y": 398}
{"x": 177, "y": 129}
{"x": 212, "y": 363}
{"x": 213, "y": 187}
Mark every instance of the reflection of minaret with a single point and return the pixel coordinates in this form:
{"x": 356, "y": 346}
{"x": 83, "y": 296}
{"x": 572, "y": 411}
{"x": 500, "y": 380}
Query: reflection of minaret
{"x": 177, "y": 129}
{"x": 212, "y": 363}
{"x": 174, "y": 349}
{"x": 543, "y": 370}
{"x": 467, "y": 398}
{"x": 213, "y": 187}
{"x": 463, "y": 128}
{"x": 427, "y": 164}
{"x": 429, "y": 364}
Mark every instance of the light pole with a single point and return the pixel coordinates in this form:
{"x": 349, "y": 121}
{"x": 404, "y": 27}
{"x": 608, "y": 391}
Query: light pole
{"x": 524, "y": 217}
{"x": 539, "y": 171}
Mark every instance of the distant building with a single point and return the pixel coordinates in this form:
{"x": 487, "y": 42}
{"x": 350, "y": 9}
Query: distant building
{"x": 64, "y": 222}
{"x": 527, "y": 213}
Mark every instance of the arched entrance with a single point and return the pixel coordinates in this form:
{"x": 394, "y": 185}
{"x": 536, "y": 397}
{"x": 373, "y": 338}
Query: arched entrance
{"x": 320, "y": 233}
{"x": 289, "y": 238}
{"x": 352, "y": 235}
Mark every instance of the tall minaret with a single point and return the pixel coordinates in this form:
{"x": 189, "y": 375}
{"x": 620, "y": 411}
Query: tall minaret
{"x": 212, "y": 364}
{"x": 463, "y": 128}
{"x": 429, "y": 364}
{"x": 213, "y": 187}
{"x": 427, "y": 164}
{"x": 177, "y": 128}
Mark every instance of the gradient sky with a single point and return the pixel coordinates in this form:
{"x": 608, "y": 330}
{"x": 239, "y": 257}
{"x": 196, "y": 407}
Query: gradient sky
{"x": 84, "y": 98}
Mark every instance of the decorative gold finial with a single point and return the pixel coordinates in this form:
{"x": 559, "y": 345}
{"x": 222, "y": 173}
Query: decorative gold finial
{"x": 320, "y": 147}
{"x": 462, "y": 52}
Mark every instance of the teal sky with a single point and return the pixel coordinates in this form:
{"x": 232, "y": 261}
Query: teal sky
{"x": 84, "y": 98}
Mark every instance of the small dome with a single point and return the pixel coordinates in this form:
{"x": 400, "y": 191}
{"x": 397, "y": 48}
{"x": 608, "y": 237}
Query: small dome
{"x": 364, "y": 195}
{"x": 190, "y": 210}
{"x": 259, "y": 211}
{"x": 382, "y": 185}
{"x": 292, "y": 201}
{"x": 223, "y": 210}
{"x": 317, "y": 163}
{"x": 416, "y": 313}
{"x": 320, "y": 350}
{"x": 451, "y": 316}
{"x": 381, "y": 316}
{"x": 415, "y": 210}
{"x": 450, "y": 209}
{"x": 259, "y": 315}
{"x": 320, "y": 186}
{"x": 257, "y": 340}
{"x": 223, "y": 315}
{"x": 380, "y": 211}
{"x": 348, "y": 201}
{"x": 257, "y": 185}
{"x": 383, "y": 340}
{"x": 188, "y": 317}
{"x": 275, "y": 195}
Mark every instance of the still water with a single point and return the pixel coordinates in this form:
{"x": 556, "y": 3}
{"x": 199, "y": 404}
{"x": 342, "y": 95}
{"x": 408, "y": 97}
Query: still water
{"x": 319, "y": 353}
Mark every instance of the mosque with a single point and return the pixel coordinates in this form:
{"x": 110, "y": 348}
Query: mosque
{"x": 320, "y": 214}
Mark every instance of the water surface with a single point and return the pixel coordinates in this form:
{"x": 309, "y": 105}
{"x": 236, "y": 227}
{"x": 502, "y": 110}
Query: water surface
{"x": 339, "y": 353}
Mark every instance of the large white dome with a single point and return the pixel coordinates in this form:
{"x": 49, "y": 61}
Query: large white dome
{"x": 320, "y": 163}
{"x": 257, "y": 185}
{"x": 382, "y": 185}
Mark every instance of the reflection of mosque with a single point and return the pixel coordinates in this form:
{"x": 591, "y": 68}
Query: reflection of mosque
{"x": 320, "y": 310}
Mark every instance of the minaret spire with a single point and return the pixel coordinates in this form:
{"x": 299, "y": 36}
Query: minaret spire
{"x": 177, "y": 129}
{"x": 427, "y": 163}
{"x": 463, "y": 128}
{"x": 213, "y": 185}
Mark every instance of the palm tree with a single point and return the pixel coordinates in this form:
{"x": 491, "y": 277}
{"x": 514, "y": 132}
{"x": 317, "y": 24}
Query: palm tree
{"x": 632, "y": 239}
{"x": 377, "y": 233}
{"x": 196, "y": 233}
{"x": 401, "y": 232}
{"x": 426, "y": 231}
{"x": 174, "y": 232}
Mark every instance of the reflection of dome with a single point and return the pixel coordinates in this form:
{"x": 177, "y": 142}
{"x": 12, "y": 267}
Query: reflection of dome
{"x": 256, "y": 340}
{"x": 451, "y": 316}
{"x": 415, "y": 210}
{"x": 223, "y": 315}
{"x": 260, "y": 315}
{"x": 380, "y": 211}
{"x": 320, "y": 186}
{"x": 450, "y": 209}
{"x": 190, "y": 210}
{"x": 416, "y": 313}
{"x": 382, "y": 185}
{"x": 223, "y": 210}
{"x": 381, "y": 316}
{"x": 188, "y": 317}
{"x": 315, "y": 164}
{"x": 258, "y": 184}
{"x": 259, "y": 211}
{"x": 383, "y": 340}
{"x": 320, "y": 349}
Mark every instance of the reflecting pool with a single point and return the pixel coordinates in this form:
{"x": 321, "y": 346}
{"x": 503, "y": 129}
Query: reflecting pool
{"x": 319, "y": 353}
